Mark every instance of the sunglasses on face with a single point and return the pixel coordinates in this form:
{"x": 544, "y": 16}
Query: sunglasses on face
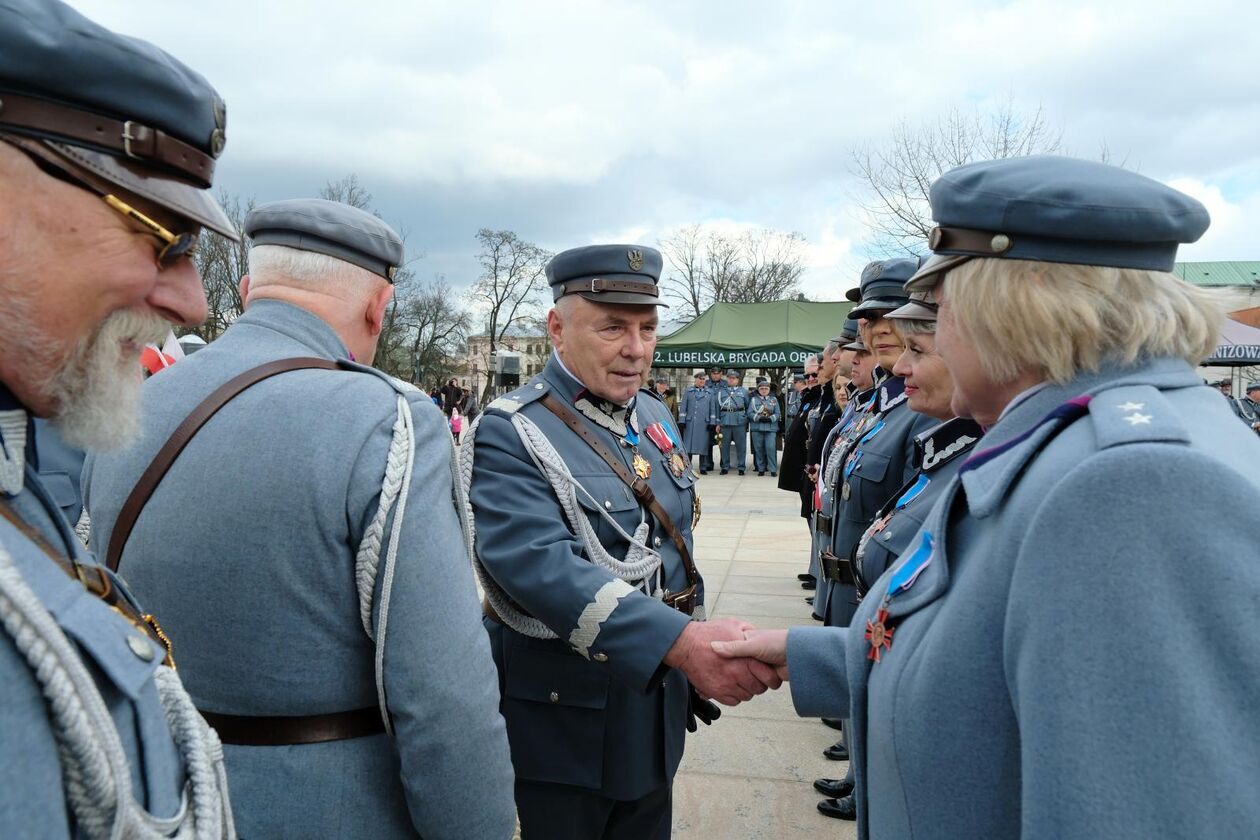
{"x": 174, "y": 247}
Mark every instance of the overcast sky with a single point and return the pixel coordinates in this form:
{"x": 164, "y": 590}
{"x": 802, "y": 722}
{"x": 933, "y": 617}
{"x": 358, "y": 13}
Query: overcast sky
{"x": 580, "y": 122}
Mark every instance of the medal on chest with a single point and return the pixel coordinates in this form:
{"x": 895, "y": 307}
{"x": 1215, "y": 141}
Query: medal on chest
{"x": 879, "y": 633}
{"x": 663, "y": 439}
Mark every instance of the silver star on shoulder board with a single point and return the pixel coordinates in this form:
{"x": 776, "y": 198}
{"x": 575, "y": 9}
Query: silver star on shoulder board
{"x": 1139, "y": 419}
{"x": 1131, "y": 406}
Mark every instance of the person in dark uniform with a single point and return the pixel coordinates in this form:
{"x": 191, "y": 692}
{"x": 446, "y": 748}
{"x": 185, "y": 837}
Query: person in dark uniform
{"x": 584, "y": 504}
{"x": 1251, "y": 404}
{"x": 878, "y": 457}
{"x": 1028, "y": 665}
{"x": 715, "y": 385}
{"x": 731, "y": 408}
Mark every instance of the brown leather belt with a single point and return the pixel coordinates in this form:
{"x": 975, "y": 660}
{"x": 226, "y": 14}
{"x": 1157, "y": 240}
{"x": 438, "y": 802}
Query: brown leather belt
{"x": 836, "y": 569}
{"x": 287, "y": 731}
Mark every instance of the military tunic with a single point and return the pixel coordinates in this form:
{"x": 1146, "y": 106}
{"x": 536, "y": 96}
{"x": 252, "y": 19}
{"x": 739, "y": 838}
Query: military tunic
{"x": 730, "y": 413}
{"x": 1084, "y": 609}
{"x": 594, "y": 709}
{"x": 939, "y": 452}
{"x": 880, "y": 460}
{"x": 763, "y": 421}
{"x": 249, "y": 546}
{"x": 121, "y": 660}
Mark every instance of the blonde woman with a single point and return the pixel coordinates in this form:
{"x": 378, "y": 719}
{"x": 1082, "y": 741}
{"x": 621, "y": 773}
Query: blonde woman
{"x": 1079, "y": 611}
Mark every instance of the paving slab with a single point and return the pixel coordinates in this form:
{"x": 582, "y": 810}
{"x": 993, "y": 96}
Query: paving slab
{"x": 750, "y": 774}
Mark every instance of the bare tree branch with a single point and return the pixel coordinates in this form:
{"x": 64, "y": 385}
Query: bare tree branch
{"x": 898, "y": 174}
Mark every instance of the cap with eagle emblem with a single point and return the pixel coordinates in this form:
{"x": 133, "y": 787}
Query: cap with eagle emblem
{"x": 625, "y": 274}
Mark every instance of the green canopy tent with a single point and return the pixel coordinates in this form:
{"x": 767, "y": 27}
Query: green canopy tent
{"x": 780, "y": 333}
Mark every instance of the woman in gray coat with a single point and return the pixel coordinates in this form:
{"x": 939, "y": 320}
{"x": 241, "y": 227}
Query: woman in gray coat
{"x": 1078, "y": 612}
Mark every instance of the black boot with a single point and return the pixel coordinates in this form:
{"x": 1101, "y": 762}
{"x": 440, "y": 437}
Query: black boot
{"x": 844, "y": 808}
{"x": 833, "y": 788}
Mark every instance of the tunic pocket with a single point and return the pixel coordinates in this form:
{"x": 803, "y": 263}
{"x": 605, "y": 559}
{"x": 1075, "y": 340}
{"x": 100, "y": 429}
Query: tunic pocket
{"x": 554, "y": 706}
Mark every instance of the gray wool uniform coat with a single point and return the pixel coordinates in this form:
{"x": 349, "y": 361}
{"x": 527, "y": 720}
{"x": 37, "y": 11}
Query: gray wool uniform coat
{"x": 1088, "y": 615}
{"x": 120, "y": 659}
{"x": 247, "y": 552}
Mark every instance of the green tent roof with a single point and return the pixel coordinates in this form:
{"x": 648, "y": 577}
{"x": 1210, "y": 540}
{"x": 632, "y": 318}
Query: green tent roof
{"x": 1225, "y": 273}
{"x": 743, "y": 335}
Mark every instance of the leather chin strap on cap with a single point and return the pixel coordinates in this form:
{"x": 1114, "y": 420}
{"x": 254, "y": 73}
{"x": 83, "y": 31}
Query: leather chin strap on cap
{"x": 599, "y": 284}
{"x": 981, "y": 243}
{"x": 127, "y": 138}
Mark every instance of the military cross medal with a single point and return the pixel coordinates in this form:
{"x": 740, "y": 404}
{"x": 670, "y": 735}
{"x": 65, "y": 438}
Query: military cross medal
{"x": 879, "y": 634}
{"x": 641, "y": 466}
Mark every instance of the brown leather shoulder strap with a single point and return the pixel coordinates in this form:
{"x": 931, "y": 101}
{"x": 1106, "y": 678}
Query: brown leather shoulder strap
{"x": 638, "y": 486}
{"x": 156, "y": 471}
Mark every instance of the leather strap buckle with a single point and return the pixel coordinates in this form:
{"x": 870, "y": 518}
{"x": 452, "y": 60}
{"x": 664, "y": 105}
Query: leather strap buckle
{"x": 99, "y": 585}
{"x": 127, "y": 138}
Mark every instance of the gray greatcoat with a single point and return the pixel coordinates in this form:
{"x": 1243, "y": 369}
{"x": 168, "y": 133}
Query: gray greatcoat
{"x": 247, "y": 550}
{"x": 611, "y": 718}
{"x": 1088, "y": 614}
{"x": 694, "y": 416}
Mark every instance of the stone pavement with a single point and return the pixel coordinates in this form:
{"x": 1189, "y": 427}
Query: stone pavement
{"x": 750, "y": 774}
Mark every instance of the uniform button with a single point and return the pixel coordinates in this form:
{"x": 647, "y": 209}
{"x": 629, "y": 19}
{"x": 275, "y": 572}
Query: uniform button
{"x": 555, "y": 697}
{"x": 538, "y": 387}
{"x": 657, "y": 542}
{"x": 600, "y": 657}
{"x": 607, "y": 505}
{"x": 140, "y": 647}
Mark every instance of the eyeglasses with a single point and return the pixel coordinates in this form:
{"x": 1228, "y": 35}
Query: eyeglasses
{"x": 810, "y": 376}
{"x": 178, "y": 245}
{"x": 175, "y": 246}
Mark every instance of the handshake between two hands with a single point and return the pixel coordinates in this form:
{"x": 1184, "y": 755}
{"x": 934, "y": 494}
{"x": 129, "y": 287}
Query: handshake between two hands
{"x": 729, "y": 660}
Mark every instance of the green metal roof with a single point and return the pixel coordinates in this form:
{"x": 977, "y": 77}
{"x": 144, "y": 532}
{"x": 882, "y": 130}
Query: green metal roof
{"x": 1228, "y": 273}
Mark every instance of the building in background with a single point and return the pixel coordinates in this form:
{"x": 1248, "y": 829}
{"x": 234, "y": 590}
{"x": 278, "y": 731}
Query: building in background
{"x": 530, "y": 353}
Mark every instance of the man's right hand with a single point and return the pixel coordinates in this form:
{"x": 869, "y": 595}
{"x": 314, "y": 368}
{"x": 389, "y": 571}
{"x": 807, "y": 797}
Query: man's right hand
{"x": 728, "y": 681}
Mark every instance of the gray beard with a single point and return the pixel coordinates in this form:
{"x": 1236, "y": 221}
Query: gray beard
{"x": 95, "y": 386}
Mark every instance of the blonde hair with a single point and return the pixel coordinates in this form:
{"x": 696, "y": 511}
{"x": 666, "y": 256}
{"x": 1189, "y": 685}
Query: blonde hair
{"x": 1059, "y": 319}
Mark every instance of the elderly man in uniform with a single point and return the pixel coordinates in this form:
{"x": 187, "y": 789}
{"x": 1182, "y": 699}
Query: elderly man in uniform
{"x": 584, "y": 504}
{"x": 730, "y": 410}
{"x": 107, "y": 153}
{"x": 310, "y": 550}
{"x": 693, "y": 418}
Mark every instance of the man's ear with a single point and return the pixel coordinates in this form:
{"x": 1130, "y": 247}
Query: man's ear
{"x": 375, "y": 314}
{"x": 243, "y": 285}
{"x": 555, "y": 328}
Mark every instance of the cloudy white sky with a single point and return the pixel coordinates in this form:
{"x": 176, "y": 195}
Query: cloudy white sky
{"x": 573, "y": 122}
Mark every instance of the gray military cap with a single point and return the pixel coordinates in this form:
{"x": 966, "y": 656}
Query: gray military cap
{"x": 698, "y": 375}
{"x": 110, "y": 110}
{"x": 856, "y": 344}
{"x": 1056, "y": 209}
{"x": 920, "y": 308}
{"x": 732, "y": 372}
{"x": 1254, "y": 386}
{"x": 883, "y": 284}
{"x": 848, "y": 332}
{"x": 607, "y": 274}
{"x": 331, "y": 228}
{"x": 798, "y": 377}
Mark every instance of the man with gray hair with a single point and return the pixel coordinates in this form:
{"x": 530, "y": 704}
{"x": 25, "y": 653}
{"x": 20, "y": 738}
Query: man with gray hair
{"x": 308, "y": 544}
